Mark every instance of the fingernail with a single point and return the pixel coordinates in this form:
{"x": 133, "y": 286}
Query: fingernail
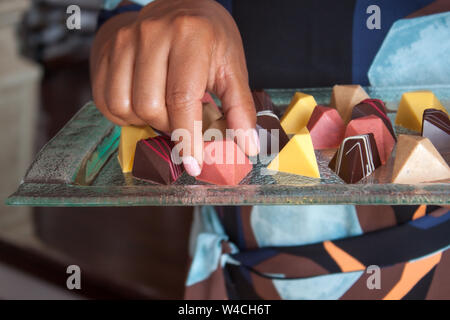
{"x": 191, "y": 166}
{"x": 255, "y": 140}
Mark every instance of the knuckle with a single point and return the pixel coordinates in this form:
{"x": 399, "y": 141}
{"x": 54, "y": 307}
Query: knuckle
{"x": 119, "y": 108}
{"x": 146, "y": 26}
{"x": 123, "y": 37}
{"x": 146, "y": 112}
{"x": 186, "y": 23}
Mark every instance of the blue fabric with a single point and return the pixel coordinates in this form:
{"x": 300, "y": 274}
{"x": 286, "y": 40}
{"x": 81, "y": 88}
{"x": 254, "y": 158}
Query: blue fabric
{"x": 416, "y": 52}
{"x": 430, "y": 221}
{"x": 299, "y": 225}
{"x": 366, "y": 42}
{"x": 112, "y": 4}
{"x": 207, "y": 247}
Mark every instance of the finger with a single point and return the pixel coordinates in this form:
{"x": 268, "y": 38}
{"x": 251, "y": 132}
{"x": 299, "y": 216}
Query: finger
{"x": 150, "y": 74}
{"x": 119, "y": 78}
{"x": 238, "y": 107}
{"x": 186, "y": 84}
{"x": 98, "y": 75}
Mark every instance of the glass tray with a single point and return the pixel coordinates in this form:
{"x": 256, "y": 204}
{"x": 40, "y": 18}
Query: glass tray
{"x": 79, "y": 167}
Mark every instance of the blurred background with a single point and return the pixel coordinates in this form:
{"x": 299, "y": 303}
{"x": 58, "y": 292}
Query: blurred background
{"x": 122, "y": 253}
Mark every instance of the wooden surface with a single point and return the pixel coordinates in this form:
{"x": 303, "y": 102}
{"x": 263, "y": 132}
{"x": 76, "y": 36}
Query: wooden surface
{"x": 122, "y": 252}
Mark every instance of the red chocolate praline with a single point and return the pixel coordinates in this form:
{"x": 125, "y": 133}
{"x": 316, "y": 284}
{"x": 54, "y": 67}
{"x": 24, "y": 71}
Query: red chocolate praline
{"x": 224, "y": 163}
{"x": 326, "y": 128}
{"x": 153, "y": 161}
{"x": 373, "y": 124}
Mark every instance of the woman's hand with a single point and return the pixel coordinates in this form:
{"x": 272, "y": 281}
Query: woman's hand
{"x": 153, "y": 68}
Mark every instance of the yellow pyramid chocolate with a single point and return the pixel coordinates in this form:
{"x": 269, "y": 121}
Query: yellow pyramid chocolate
{"x": 411, "y": 108}
{"x": 417, "y": 160}
{"x": 297, "y": 114}
{"x": 297, "y": 156}
{"x": 129, "y": 137}
{"x": 345, "y": 97}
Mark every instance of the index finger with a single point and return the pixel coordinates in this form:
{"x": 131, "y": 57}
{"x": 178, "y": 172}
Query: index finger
{"x": 186, "y": 83}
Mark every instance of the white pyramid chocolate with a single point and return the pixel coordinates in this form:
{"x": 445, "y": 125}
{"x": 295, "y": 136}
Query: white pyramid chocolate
{"x": 417, "y": 160}
{"x": 345, "y": 97}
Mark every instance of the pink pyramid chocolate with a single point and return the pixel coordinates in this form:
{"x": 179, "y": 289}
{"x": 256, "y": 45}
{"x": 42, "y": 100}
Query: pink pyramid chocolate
{"x": 373, "y": 124}
{"x": 224, "y": 163}
{"x": 326, "y": 128}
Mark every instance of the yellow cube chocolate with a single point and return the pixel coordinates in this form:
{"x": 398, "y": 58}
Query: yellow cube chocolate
{"x": 297, "y": 156}
{"x": 298, "y": 113}
{"x": 411, "y": 108}
{"x": 129, "y": 137}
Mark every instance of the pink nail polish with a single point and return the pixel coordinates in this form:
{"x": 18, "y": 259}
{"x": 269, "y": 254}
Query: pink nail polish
{"x": 191, "y": 165}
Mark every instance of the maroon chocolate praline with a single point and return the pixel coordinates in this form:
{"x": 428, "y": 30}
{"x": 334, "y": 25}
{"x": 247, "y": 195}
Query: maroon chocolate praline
{"x": 268, "y": 124}
{"x": 375, "y": 107}
{"x": 153, "y": 161}
{"x": 436, "y": 127}
{"x": 356, "y": 158}
{"x": 262, "y": 101}
{"x": 270, "y": 132}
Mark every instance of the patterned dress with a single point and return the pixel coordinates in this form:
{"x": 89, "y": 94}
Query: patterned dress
{"x": 320, "y": 252}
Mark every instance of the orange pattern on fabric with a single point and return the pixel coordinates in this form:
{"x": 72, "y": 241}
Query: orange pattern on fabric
{"x": 346, "y": 262}
{"x": 412, "y": 273}
{"x": 420, "y": 212}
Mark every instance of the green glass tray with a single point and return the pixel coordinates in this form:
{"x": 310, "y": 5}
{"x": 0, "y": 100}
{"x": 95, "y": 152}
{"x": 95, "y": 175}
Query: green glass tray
{"x": 79, "y": 167}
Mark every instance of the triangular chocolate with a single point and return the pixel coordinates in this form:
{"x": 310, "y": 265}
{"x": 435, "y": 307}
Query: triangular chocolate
{"x": 326, "y": 128}
{"x": 417, "y": 160}
{"x": 297, "y": 157}
{"x": 373, "y": 124}
{"x": 153, "y": 161}
{"x": 224, "y": 163}
{"x": 356, "y": 158}
{"x": 436, "y": 127}
{"x": 297, "y": 114}
{"x": 270, "y": 133}
{"x": 411, "y": 108}
{"x": 262, "y": 101}
{"x": 373, "y": 107}
{"x": 345, "y": 97}
{"x": 129, "y": 137}
{"x": 221, "y": 126}
{"x": 210, "y": 113}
